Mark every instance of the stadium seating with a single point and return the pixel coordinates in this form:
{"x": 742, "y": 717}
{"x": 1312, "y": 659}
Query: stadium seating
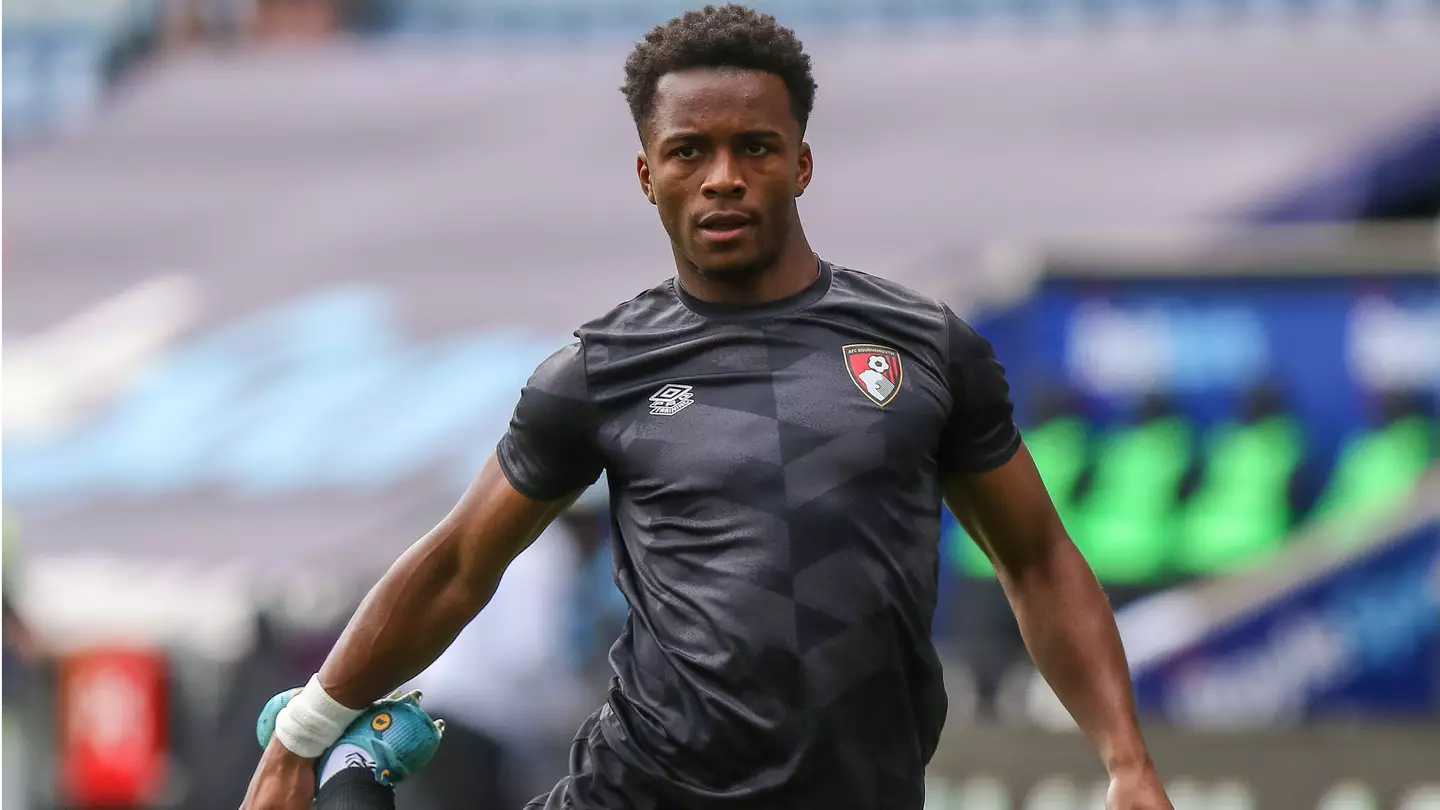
{"x": 562, "y": 17}
{"x": 1122, "y": 491}
{"x": 1125, "y": 523}
{"x": 1376, "y": 469}
{"x": 1240, "y": 513}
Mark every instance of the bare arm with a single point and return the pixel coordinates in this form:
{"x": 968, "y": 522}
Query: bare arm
{"x": 414, "y": 614}
{"x": 434, "y": 589}
{"x": 549, "y": 455}
{"x": 1063, "y": 614}
{"x": 415, "y": 611}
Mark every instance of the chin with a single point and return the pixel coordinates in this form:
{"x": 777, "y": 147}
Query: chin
{"x": 730, "y": 271}
{"x": 737, "y": 266}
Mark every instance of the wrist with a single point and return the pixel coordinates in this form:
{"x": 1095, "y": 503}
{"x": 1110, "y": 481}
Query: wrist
{"x": 281, "y": 757}
{"x": 1129, "y": 764}
{"x": 312, "y": 721}
{"x": 1126, "y": 756}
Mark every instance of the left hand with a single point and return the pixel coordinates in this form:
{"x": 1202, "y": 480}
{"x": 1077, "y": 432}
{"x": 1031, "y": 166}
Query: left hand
{"x": 1137, "y": 789}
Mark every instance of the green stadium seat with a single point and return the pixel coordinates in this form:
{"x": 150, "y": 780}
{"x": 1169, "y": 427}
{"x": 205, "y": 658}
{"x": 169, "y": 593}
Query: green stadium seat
{"x": 1240, "y": 513}
{"x": 1375, "y": 471}
{"x": 1126, "y": 524}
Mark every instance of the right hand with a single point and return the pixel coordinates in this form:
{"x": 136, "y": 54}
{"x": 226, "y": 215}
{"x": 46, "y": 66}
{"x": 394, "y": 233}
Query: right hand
{"x": 283, "y": 781}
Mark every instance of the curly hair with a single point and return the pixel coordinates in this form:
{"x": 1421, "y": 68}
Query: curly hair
{"x": 732, "y": 36}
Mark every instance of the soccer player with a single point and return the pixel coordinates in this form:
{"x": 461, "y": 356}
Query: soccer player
{"x": 778, "y": 433}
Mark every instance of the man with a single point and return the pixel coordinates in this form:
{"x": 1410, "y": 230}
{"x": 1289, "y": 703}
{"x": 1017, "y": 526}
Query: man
{"x": 775, "y": 507}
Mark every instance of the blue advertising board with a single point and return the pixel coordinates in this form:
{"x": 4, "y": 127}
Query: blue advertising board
{"x": 1360, "y": 637}
{"x": 1329, "y": 343}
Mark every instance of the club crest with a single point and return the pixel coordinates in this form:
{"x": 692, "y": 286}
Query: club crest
{"x": 875, "y": 369}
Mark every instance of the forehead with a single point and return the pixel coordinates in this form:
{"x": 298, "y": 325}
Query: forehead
{"x": 706, "y": 99}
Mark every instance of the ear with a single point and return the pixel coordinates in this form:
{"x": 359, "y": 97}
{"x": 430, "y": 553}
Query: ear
{"x": 642, "y": 168}
{"x": 806, "y": 166}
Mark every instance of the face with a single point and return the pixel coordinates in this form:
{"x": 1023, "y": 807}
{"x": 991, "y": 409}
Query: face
{"x": 723, "y": 163}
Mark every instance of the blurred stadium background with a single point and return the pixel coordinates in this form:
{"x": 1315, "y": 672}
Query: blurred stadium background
{"x": 275, "y": 271}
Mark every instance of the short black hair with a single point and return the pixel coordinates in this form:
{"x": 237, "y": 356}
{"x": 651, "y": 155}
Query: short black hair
{"x": 728, "y": 36}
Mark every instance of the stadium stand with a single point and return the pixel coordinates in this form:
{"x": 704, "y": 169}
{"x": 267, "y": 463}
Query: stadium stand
{"x": 1378, "y": 467}
{"x": 63, "y": 56}
{"x": 1242, "y": 510}
{"x": 579, "y": 17}
{"x": 1125, "y": 522}
{"x": 1123, "y": 495}
{"x": 1242, "y": 518}
{"x": 1125, "y": 500}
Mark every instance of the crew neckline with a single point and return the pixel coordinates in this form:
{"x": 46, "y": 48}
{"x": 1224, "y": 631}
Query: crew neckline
{"x": 780, "y": 306}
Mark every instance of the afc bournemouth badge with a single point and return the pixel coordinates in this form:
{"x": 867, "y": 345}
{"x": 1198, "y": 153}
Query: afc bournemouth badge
{"x": 876, "y": 369}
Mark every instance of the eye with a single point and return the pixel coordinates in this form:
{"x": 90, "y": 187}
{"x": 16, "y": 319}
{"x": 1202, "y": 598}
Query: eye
{"x": 686, "y": 152}
{"x": 757, "y": 150}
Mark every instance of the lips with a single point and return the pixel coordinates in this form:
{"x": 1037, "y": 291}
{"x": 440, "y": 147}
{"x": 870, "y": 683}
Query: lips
{"x": 725, "y": 221}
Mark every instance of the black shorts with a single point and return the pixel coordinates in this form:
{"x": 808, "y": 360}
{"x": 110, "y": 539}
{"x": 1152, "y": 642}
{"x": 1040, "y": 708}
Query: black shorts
{"x": 598, "y": 780}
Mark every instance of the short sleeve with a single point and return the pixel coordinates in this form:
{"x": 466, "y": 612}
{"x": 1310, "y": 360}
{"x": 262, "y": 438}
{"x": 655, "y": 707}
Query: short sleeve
{"x": 550, "y": 449}
{"x": 980, "y": 432}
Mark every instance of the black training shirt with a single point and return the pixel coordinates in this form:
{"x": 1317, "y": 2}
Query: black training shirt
{"x": 774, "y": 474}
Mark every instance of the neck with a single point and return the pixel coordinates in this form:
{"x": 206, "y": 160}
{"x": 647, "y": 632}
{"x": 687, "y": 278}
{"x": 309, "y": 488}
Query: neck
{"x": 792, "y": 271}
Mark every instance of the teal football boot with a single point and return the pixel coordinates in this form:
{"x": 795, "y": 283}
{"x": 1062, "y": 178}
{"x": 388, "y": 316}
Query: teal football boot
{"x": 397, "y": 734}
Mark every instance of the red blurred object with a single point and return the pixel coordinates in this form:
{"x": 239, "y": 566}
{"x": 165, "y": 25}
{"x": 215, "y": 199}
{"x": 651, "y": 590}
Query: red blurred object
{"x": 113, "y": 716}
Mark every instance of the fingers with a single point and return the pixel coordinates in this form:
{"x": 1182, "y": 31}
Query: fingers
{"x": 413, "y": 696}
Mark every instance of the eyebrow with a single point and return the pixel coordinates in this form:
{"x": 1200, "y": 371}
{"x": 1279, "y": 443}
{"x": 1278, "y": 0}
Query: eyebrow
{"x": 690, "y": 135}
{"x": 761, "y": 133}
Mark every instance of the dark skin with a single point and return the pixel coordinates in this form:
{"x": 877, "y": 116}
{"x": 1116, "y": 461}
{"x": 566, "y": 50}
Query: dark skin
{"x": 722, "y": 148}
{"x": 415, "y": 611}
{"x": 1064, "y": 617}
{"x": 723, "y": 162}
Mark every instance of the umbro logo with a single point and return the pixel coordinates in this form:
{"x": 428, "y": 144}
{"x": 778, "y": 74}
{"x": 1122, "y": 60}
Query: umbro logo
{"x": 671, "y": 400}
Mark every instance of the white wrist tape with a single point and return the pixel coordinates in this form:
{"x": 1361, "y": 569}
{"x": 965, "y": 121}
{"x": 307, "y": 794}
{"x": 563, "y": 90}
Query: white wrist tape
{"x": 313, "y": 721}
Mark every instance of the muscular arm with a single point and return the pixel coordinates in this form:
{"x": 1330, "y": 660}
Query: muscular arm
{"x": 434, "y": 589}
{"x": 545, "y": 459}
{"x": 1064, "y": 616}
{"x": 414, "y": 612}
{"x": 548, "y": 456}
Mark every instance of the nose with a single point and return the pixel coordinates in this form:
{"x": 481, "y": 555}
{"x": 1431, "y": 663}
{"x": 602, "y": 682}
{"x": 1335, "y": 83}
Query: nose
{"x": 724, "y": 178}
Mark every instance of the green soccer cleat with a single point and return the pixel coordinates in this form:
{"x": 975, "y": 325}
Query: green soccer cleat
{"x": 395, "y": 732}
